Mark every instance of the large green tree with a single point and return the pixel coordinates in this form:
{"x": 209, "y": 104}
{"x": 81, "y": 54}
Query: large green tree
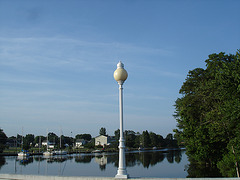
{"x": 208, "y": 113}
{"x": 117, "y": 134}
{"x": 154, "y": 139}
{"x": 129, "y": 138}
{"x": 28, "y": 141}
{"x": 103, "y": 131}
{"x": 145, "y": 139}
{"x": 39, "y": 139}
{"x": 52, "y": 137}
{"x": 87, "y": 137}
{"x": 3, "y": 139}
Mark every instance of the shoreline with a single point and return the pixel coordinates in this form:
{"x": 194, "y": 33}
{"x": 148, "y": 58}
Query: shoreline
{"x": 36, "y": 177}
{"x": 102, "y": 151}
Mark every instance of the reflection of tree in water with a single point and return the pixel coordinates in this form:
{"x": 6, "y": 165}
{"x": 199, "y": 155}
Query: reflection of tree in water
{"x": 145, "y": 159}
{"x": 50, "y": 160}
{"x": 83, "y": 159}
{"x": 57, "y": 159}
{"x": 151, "y": 158}
{"x": 113, "y": 158}
{"x": 178, "y": 156}
{"x": 60, "y": 159}
{"x": 38, "y": 158}
{"x": 175, "y": 155}
{"x": 148, "y": 158}
{"x": 25, "y": 161}
{"x": 197, "y": 170}
{"x": 102, "y": 167}
{"x": 131, "y": 160}
{"x": 156, "y": 158}
{"x": 2, "y": 161}
{"x": 170, "y": 156}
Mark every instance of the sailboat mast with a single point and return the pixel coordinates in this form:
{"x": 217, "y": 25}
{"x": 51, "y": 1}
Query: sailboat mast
{"x": 47, "y": 139}
{"x": 22, "y": 139}
{"x": 60, "y": 142}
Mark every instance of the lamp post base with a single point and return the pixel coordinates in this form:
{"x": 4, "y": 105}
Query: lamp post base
{"x": 122, "y": 175}
{"x": 122, "y": 171}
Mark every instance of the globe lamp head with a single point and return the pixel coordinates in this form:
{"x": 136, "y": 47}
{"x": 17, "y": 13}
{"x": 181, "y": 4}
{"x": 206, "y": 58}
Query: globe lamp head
{"x": 120, "y": 74}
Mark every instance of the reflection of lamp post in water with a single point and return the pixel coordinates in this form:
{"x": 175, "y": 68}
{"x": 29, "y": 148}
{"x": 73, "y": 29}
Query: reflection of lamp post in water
{"x": 120, "y": 75}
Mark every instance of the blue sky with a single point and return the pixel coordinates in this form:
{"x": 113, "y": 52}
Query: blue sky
{"x": 57, "y": 60}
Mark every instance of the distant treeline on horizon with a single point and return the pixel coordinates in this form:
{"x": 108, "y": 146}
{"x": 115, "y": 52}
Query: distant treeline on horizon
{"x": 132, "y": 139}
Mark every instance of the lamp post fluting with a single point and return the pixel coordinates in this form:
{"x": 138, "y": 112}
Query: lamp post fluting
{"x": 120, "y": 75}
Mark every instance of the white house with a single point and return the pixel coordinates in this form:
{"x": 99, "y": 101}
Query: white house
{"x": 79, "y": 143}
{"x": 103, "y": 140}
{"x": 50, "y": 144}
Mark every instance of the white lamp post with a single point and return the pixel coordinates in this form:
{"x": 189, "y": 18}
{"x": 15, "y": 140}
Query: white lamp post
{"x": 120, "y": 75}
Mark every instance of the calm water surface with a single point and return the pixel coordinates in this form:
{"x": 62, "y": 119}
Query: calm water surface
{"x": 139, "y": 164}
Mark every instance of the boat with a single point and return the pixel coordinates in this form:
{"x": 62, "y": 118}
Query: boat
{"x": 96, "y": 151}
{"x": 60, "y": 152}
{"x": 48, "y": 152}
{"x": 23, "y": 154}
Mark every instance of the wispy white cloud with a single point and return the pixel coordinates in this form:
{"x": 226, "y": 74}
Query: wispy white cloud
{"x": 61, "y": 51}
{"x": 5, "y": 78}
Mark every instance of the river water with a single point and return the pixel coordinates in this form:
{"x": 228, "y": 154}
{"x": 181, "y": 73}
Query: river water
{"x": 162, "y": 164}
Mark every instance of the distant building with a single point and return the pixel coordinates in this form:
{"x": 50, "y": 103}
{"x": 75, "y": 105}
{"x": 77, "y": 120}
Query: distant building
{"x": 50, "y": 144}
{"x": 103, "y": 140}
{"x": 80, "y": 142}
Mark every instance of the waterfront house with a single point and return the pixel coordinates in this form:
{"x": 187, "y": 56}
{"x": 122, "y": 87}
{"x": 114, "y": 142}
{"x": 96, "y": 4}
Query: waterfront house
{"x": 50, "y": 144}
{"x": 80, "y": 142}
{"x": 103, "y": 140}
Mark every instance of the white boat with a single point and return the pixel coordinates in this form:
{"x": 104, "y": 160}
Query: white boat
{"x": 96, "y": 151}
{"x": 48, "y": 152}
{"x": 23, "y": 154}
{"x": 60, "y": 152}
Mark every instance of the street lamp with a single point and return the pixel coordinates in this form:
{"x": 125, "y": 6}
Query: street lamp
{"x": 120, "y": 75}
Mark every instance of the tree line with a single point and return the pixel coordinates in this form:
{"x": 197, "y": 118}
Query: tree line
{"x": 132, "y": 140}
{"x": 147, "y": 139}
{"x": 208, "y": 114}
{"x": 30, "y": 140}
{"x": 144, "y": 140}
